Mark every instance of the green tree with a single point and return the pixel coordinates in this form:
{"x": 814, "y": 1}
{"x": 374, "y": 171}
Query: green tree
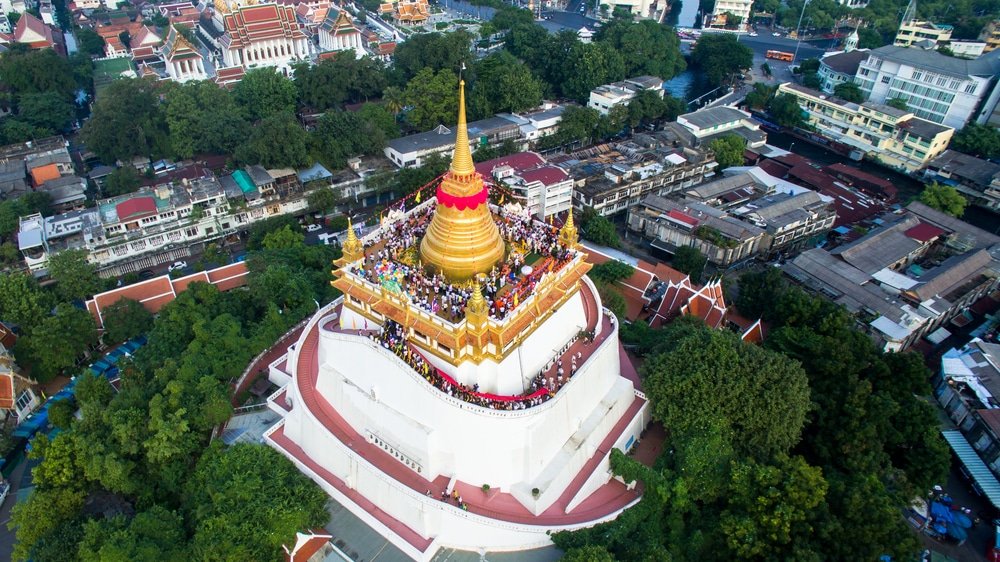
{"x": 811, "y": 80}
{"x": 41, "y": 516}
{"x": 433, "y": 98}
{"x": 263, "y": 93}
{"x": 339, "y": 80}
{"x": 648, "y": 48}
{"x": 125, "y": 319}
{"x": 276, "y": 142}
{"x": 588, "y": 554}
{"x": 61, "y": 412}
{"x": 340, "y": 135}
{"x": 849, "y": 91}
{"x": 503, "y": 84}
{"x": 760, "y": 95}
{"x": 380, "y": 119}
{"x": 36, "y": 71}
{"x": 154, "y": 534}
{"x": 50, "y": 111}
{"x": 689, "y": 260}
{"x": 283, "y": 239}
{"x": 232, "y": 490}
{"x": 22, "y": 301}
{"x": 76, "y": 278}
{"x": 978, "y": 140}
{"x": 898, "y": 103}
{"x": 728, "y": 150}
{"x": 601, "y": 231}
{"x": 394, "y": 100}
{"x": 589, "y": 65}
{"x": 944, "y": 198}
{"x": 57, "y": 341}
{"x": 758, "y": 291}
{"x": 785, "y": 110}
{"x": 721, "y": 57}
{"x": 433, "y": 51}
{"x": 127, "y": 121}
{"x": 90, "y": 42}
{"x": 760, "y": 395}
{"x": 323, "y": 200}
{"x": 204, "y": 118}
{"x": 611, "y": 271}
{"x": 121, "y": 181}
{"x": 613, "y": 300}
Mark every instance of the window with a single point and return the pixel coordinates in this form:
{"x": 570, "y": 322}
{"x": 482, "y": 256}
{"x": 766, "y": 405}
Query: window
{"x": 970, "y": 88}
{"x": 193, "y": 231}
{"x": 917, "y": 75}
{"x": 24, "y": 400}
{"x": 885, "y": 79}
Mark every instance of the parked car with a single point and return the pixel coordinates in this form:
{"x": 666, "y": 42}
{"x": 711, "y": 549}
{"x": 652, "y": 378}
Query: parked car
{"x": 752, "y": 34}
{"x": 147, "y": 274}
{"x": 313, "y": 228}
{"x": 777, "y": 34}
{"x": 177, "y": 265}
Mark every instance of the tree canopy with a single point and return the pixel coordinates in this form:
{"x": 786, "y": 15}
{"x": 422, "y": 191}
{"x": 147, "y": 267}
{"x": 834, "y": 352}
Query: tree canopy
{"x": 944, "y": 198}
{"x": 849, "y": 91}
{"x": 728, "y": 150}
{"x": 978, "y": 140}
{"x": 721, "y": 57}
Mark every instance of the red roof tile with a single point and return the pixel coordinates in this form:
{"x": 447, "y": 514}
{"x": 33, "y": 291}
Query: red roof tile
{"x": 546, "y": 175}
{"x": 6, "y": 391}
{"x": 924, "y": 232}
{"x": 682, "y": 217}
{"x": 136, "y": 207}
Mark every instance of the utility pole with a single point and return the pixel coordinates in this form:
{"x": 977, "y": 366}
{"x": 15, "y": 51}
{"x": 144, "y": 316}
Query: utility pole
{"x": 798, "y": 35}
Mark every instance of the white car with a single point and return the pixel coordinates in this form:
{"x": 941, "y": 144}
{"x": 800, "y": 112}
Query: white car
{"x": 752, "y": 34}
{"x": 313, "y": 228}
{"x": 776, "y": 34}
{"x": 177, "y": 265}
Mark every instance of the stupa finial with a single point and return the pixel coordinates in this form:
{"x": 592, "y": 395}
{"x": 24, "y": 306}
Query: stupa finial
{"x": 568, "y": 234}
{"x": 461, "y": 162}
{"x": 353, "y": 250}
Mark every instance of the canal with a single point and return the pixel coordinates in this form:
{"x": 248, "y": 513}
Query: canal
{"x": 909, "y": 188}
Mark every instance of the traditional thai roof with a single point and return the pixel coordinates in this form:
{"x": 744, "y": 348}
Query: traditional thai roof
{"x": 145, "y": 36}
{"x": 178, "y": 48}
{"x": 250, "y": 24}
{"x": 341, "y": 24}
{"x": 412, "y": 11}
{"x": 32, "y": 31}
{"x": 229, "y": 76}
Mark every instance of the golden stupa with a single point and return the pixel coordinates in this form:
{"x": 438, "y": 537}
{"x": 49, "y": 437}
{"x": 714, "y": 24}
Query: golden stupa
{"x": 462, "y": 239}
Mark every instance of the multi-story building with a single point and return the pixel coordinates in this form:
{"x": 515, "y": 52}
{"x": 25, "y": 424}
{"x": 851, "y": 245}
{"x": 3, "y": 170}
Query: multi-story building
{"x": 991, "y": 35}
{"x": 907, "y": 278}
{"x": 738, "y": 8}
{"x": 262, "y": 35}
{"x": 736, "y": 217}
{"x": 838, "y": 68}
{"x": 611, "y": 181}
{"x": 152, "y": 226}
{"x": 705, "y": 125}
{"x": 542, "y": 188}
{"x": 935, "y": 87}
{"x": 911, "y": 32}
{"x": 604, "y": 98}
{"x": 894, "y": 137}
{"x": 977, "y": 179}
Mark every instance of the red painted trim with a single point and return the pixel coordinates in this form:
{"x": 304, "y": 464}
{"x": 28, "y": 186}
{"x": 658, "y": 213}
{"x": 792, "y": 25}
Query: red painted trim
{"x": 462, "y": 203}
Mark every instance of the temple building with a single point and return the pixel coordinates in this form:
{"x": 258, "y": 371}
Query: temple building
{"x": 259, "y": 35}
{"x": 337, "y": 33}
{"x": 182, "y": 59}
{"x": 468, "y": 389}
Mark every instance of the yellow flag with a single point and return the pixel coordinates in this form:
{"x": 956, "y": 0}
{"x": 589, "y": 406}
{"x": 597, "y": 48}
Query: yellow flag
{"x": 502, "y": 196}
{"x": 418, "y": 197}
{"x": 515, "y": 300}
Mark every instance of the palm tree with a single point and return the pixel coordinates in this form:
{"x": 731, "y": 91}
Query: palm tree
{"x": 393, "y": 99}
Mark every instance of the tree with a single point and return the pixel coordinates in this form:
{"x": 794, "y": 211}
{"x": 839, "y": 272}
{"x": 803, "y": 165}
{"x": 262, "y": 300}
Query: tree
{"x": 785, "y": 110}
{"x": 898, "y": 103}
{"x": 339, "y": 80}
{"x": 601, "y": 231}
{"x": 57, "y": 342}
{"x": 760, "y": 95}
{"x": 41, "y": 516}
{"x": 61, "y": 412}
{"x": 647, "y": 107}
{"x": 978, "y": 140}
{"x": 260, "y": 229}
{"x": 121, "y": 181}
{"x": 759, "y": 395}
{"x": 849, "y": 91}
{"x": 90, "y": 42}
{"x": 504, "y": 84}
{"x": 22, "y": 301}
{"x": 204, "y": 118}
{"x": 323, "y": 200}
{"x": 36, "y": 71}
{"x": 125, "y": 319}
{"x": 613, "y": 300}
{"x": 154, "y": 534}
{"x": 283, "y": 239}
{"x": 263, "y": 93}
{"x": 728, "y": 150}
{"x": 433, "y": 98}
{"x": 49, "y": 111}
{"x": 589, "y": 65}
{"x": 340, "y": 135}
{"x": 276, "y": 142}
{"x": 689, "y": 260}
{"x": 394, "y": 100}
{"x": 721, "y": 57}
{"x": 434, "y": 52}
{"x": 231, "y": 490}
{"x": 648, "y": 48}
{"x": 758, "y": 291}
{"x": 75, "y": 277}
{"x": 811, "y": 80}
{"x": 588, "y": 554}
{"x": 611, "y": 271}
{"x": 944, "y": 198}
{"x": 127, "y": 121}
{"x": 12, "y": 210}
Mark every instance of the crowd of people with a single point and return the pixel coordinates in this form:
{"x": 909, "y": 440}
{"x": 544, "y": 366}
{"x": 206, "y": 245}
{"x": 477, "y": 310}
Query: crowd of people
{"x": 393, "y": 338}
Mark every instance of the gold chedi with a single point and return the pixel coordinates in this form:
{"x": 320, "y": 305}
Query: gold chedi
{"x": 462, "y": 239}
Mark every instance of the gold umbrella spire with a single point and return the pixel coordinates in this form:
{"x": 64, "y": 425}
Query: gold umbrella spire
{"x": 353, "y": 250}
{"x": 461, "y": 162}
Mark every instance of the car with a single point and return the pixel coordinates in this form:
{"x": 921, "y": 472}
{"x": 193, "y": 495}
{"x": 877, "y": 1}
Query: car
{"x": 177, "y": 265}
{"x": 752, "y": 34}
{"x": 147, "y": 274}
{"x": 776, "y": 34}
{"x": 313, "y": 228}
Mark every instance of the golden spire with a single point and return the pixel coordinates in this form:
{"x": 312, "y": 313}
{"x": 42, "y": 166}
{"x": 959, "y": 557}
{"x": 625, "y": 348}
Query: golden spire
{"x": 353, "y": 250}
{"x": 462, "y": 239}
{"x": 461, "y": 162}
{"x": 567, "y": 234}
{"x": 477, "y": 310}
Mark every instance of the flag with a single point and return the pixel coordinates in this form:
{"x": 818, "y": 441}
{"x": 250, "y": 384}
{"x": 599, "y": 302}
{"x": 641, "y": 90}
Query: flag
{"x": 502, "y": 196}
{"x": 418, "y": 197}
{"x": 515, "y": 300}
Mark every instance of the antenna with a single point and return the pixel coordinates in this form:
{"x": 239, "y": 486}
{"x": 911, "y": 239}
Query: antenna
{"x": 911, "y": 13}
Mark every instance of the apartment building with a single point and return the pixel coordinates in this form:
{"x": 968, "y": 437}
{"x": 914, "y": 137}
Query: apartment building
{"x": 911, "y": 32}
{"x": 991, "y": 35}
{"x": 608, "y": 96}
{"x": 151, "y": 226}
{"x": 738, "y": 8}
{"x": 891, "y": 136}
{"x": 543, "y": 189}
{"x": 941, "y": 89}
{"x": 733, "y": 218}
{"x": 907, "y": 278}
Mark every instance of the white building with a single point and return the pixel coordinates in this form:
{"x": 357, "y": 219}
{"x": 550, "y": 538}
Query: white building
{"x": 182, "y": 59}
{"x": 337, "y": 33}
{"x": 543, "y": 189}
{"x": 604, "y": 98}
{"x": 738, "y": 8}
{"x": 708, "y": 124}
{"x": 935, "y": 87}
{"x": 839, "y": 67}
{"x": 263, "y": 35}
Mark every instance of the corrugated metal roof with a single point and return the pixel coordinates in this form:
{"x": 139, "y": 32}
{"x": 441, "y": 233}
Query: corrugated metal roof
{"x": 984, "y": 478}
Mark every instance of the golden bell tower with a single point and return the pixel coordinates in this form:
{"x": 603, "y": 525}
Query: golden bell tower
{"x": 462, "y": 239}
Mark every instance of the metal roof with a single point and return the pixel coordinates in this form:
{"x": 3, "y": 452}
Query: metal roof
{"x": 984, "y": 478}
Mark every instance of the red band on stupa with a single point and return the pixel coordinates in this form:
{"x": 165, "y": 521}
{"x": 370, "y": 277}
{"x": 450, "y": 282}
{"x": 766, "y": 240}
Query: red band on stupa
{"x": 462, "y": 203}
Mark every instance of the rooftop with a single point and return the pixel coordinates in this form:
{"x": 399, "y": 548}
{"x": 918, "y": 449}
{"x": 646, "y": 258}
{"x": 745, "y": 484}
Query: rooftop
{"x": 975, "y": 170}
{"x": 714, "y": 116}
{"x": 986, "y": 65}
{"x": 845, "y": 62}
